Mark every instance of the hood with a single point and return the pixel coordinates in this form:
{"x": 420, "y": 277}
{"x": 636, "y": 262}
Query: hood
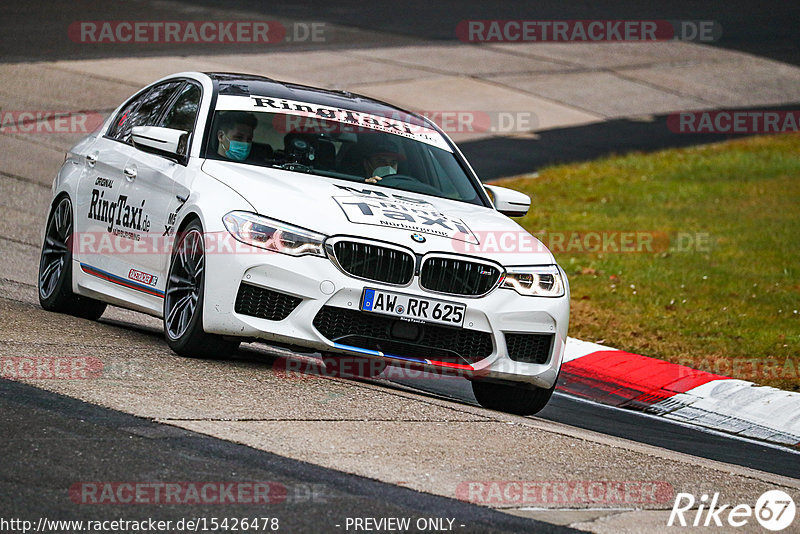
{"x": 340, "y": 207}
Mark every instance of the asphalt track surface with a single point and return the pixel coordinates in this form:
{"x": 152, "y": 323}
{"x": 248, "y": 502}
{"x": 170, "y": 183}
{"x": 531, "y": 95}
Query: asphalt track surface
{"x": 51, "y": 441}
{"x": 54, "y": 437}
{"x": 643, "y": 428}
{"x": 763, "y": 28}
{"x": 34, "y": 30}
{"x": 497, "y": 157}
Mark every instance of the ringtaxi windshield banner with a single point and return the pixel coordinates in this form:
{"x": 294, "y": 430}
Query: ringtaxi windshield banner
{"x": 351, "y": 120}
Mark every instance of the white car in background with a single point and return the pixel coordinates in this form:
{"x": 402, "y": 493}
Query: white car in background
{"x": 239, "y": 208}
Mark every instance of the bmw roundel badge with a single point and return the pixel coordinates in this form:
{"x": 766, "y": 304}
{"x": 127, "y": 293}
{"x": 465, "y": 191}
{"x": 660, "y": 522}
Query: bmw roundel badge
{"x": 419, "y": 238}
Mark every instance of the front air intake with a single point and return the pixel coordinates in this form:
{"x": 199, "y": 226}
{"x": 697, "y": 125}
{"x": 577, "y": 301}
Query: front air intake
{"x": 264, "y": 303}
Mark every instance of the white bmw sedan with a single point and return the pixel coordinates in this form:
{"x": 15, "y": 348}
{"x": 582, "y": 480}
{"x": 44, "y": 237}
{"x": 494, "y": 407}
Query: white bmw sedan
{"x": 238, "y": 208}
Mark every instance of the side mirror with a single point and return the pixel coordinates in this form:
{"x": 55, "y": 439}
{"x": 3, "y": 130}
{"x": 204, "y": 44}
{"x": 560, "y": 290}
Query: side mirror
{"x": 509, "y": 202}
{"x": 161, "y": 141}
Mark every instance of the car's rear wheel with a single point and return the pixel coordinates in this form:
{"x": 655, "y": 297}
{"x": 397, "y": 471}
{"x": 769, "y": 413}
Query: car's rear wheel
{"x": 520, "y": 399}
{"x": 55, "y": 267}
{"x": 183, "y": 300}
{"x": 348, "y": 366}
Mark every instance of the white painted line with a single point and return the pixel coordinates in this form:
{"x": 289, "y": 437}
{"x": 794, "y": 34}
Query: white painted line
{"x": 577, "y": 349}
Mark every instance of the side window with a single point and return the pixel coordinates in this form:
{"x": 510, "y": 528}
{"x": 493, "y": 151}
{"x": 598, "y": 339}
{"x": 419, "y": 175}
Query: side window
{"x": 182, "y": 114}
{"x": 142, "y": 111}
{"x": 120, "y": 129}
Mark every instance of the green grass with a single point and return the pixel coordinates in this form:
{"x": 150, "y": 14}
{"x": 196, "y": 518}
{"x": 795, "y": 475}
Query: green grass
{"x": 718, "y": 308}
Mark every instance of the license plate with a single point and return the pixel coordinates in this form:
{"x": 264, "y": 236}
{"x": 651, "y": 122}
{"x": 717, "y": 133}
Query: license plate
{"x": 413, "y": 308}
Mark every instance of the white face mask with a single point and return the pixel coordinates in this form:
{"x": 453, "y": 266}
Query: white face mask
{"x": 386, "y": 170}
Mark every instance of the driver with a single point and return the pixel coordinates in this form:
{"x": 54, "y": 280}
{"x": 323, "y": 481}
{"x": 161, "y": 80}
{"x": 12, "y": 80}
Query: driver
{"x": 381, "y": 160}
{"x": 235, "y": 134}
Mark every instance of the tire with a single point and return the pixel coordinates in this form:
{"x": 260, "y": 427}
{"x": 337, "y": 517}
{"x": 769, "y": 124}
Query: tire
{"x": 519, "y": 399}
{"x": 54, "y": 282}
{"x": 348, "y": 366}
{"x": 183, "y": 300}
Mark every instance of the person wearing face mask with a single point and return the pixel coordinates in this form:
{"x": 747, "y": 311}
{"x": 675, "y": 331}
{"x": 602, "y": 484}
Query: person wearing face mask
{"x": 381, "y": 160}
{"x": 235, "y": 135}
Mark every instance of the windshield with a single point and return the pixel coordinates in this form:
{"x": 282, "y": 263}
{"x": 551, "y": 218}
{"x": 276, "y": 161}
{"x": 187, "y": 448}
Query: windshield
{"x": 399, "y": 152}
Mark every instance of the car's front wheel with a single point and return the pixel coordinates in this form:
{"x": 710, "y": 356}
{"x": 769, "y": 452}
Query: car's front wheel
{"x": 55, "y": 267}
{"x": 183, "y": 300}
{"x": 519, "y": 399}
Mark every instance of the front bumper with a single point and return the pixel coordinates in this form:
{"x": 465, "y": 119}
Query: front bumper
{"x": 318, "y": 283}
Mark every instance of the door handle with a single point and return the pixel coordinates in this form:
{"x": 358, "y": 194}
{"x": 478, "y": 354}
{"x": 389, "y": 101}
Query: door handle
{"x": 130, "y": 173}
{"x": 91, "y": 159}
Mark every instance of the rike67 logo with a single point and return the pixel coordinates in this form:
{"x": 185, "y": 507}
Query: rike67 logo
{"x": 774, "y": 510}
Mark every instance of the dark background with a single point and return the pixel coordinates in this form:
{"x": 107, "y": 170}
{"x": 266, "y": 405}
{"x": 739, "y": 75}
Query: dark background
{"x": 37, "y": 29}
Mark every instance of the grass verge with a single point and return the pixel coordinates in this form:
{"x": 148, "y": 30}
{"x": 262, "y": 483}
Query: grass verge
{"x": 716, "y": 282}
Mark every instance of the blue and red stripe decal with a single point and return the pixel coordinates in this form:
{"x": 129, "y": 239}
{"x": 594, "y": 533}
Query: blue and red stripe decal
{"x": 405, "y": 358}
{"x": 124, "y": 282}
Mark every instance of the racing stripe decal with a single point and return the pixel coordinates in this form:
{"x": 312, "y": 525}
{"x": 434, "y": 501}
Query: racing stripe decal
{"x": 404, "y": 358}
{"x": 357, "y": 349}
{"x": 448, "y": 364}
{"x": 99, "y": 273}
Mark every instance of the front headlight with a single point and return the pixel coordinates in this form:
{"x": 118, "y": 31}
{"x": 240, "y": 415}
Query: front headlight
{"x": 273, "y": 235}
{"x": 545, "y": 281}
